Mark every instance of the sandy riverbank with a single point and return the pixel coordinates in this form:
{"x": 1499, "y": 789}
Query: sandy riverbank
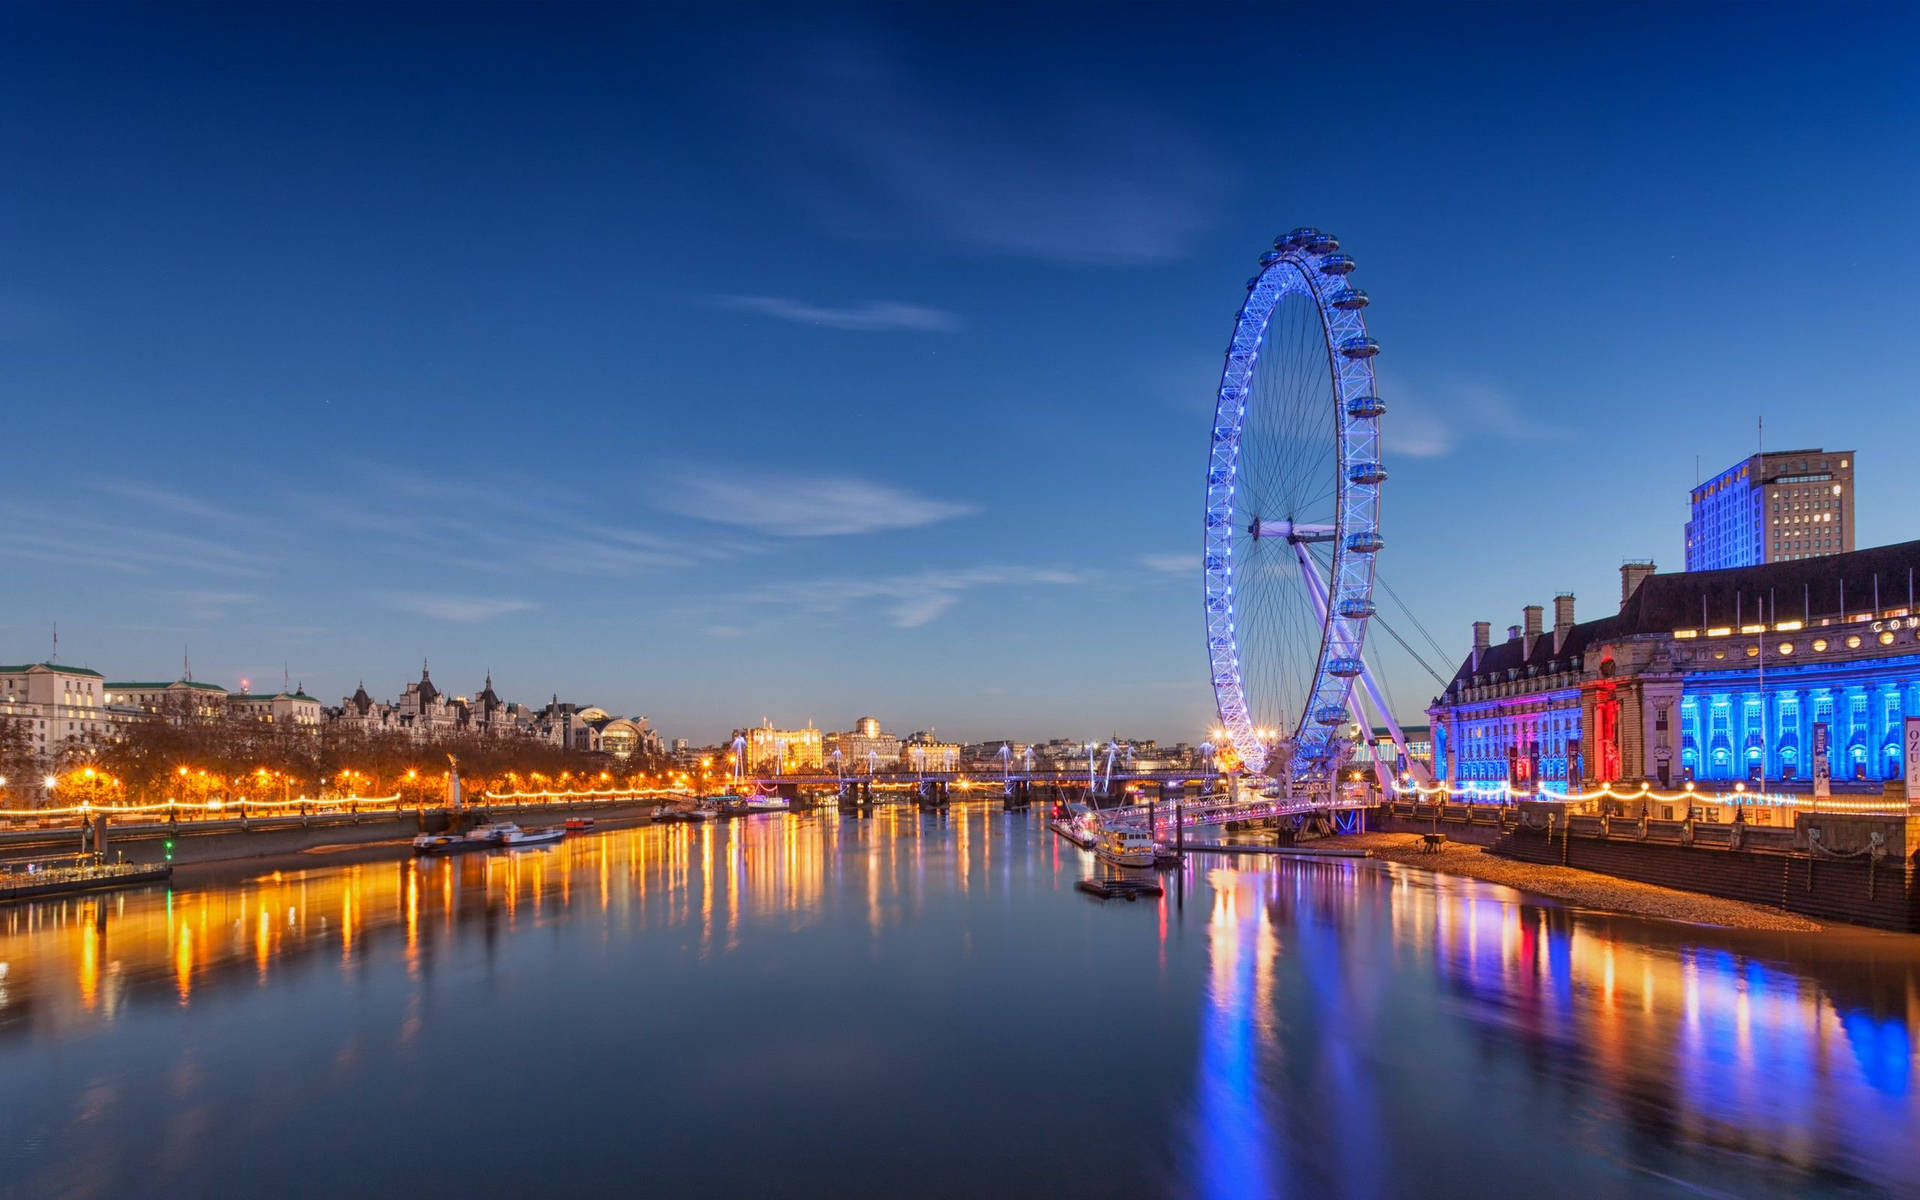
{"x": 1583, "y": 888}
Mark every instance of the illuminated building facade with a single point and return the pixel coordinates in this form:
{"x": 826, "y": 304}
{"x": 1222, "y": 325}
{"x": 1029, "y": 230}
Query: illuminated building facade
{"x": 1713, "y": 676}
{"x": 784, "y": 751}
{"x": 863, "y": 745}
{"x": 1779, "y": 507}
{"x": 1381, "y": 748}
{"x": 925, "y": 752}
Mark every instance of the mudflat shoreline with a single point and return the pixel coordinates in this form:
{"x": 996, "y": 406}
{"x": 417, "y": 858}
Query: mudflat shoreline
{"x": 1571, "y": 885}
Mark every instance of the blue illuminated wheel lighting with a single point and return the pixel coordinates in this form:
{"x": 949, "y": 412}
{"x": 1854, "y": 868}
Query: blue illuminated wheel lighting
{"x": 1293, "y": 509}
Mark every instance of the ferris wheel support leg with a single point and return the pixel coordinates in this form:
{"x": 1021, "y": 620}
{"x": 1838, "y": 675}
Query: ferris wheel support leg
{"x": 1317, "y": 589}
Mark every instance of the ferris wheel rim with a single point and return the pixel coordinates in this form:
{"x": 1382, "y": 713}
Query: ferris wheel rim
{"x": 1306, "y": 263}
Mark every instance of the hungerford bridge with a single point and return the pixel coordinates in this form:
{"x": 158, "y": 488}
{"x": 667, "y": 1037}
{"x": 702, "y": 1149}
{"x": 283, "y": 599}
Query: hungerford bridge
{"x": 1192, "y": 796}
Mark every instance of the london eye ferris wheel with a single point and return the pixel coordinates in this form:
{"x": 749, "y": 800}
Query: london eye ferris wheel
{"x": 1293, "y": 513}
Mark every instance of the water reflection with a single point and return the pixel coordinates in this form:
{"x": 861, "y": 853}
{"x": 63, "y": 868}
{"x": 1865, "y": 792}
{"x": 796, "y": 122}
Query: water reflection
{"x": 83, "y": 959}
{"x": 1266, "y": 1028}
{"x": 1665, "y": 1057}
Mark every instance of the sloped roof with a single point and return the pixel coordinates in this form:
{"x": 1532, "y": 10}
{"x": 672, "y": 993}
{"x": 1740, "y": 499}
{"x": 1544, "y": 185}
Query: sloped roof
{"x": 60, "y": 667}
{"x": 1808, "y": 589}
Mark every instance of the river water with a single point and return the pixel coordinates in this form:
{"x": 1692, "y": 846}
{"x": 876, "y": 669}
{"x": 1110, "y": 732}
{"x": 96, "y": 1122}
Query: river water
{"x": 818, "y": 1005}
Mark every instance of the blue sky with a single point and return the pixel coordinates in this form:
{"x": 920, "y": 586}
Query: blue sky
{"x": 719, "y": 362}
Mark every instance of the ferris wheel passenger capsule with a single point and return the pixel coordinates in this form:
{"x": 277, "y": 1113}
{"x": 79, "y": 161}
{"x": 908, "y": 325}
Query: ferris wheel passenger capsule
{"x": 1360, "y": 347}
{"x": 1323, "y": 243}
{"x": 1366, "y": 406}
{"x": 1356, "y": 608}
{"x": 1330, "y": 714}
{"x": 1269, "y": 258}
{"x": 1346, "y": 668}
{"x": 1367, "y": 541}
{"x": 1367, "y": 472}
{"x": 1337, "y": 264}
{"x": 1295, "y": 239}
{"x": 1348, "y": 299}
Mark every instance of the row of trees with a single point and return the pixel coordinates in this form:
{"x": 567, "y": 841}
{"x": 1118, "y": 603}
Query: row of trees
{"x": 173, "y": 756}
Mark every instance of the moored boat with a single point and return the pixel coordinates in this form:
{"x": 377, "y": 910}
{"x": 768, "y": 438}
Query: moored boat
{"x": 493, "y": 834}
{"x": 532, "y": 837}
{"x": 1124, "y": 847}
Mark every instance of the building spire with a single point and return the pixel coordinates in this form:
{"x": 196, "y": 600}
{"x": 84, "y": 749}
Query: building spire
{"x": 186, "y": 665}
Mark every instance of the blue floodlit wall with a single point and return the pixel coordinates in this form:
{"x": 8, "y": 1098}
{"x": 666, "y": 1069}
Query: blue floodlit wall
{"x": 1492, "y": 733}
{"x": 1731, "y": 730}
{"x": 1726, "y": 525}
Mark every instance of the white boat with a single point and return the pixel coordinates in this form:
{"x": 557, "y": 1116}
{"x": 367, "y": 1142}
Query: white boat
{"x": 1125, "y": 847}
{"x": 437, "y": 843}
{"x": 767, "y": 804}
{"x": 532, "y": 837}
{"x": 493, "y": 834}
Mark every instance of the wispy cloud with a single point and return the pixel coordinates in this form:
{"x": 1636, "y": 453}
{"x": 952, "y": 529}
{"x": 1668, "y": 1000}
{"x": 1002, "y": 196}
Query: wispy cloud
{"x": 908, "y": 601}
{"x": 800, "y": 506}
{"x": 1171, "y": 564}
{"x": 124, "y": 545}
{"x": 1066, "y": 169}
{"x": 1434, "y": 422}
{"x": 467, "y": 609}
{"x": 874, "y": 316}
{"x": 204, "y": 605}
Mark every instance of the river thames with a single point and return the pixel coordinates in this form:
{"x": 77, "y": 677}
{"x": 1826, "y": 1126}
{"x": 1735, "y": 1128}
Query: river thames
{"x": 819, "y": 1005}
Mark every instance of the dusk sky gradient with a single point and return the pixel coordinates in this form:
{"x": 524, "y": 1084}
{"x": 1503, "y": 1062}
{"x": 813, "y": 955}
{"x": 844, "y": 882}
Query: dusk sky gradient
{"x": 718, "y": 362}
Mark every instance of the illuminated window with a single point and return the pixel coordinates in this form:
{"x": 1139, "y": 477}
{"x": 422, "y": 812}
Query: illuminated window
{"x": 1819, "y": 644}
{"x": 1886, "y": 639}
{"x": 1786, "y": 649}
{"x": 1753, "y": 651}
{"x": 1853, "y": 641}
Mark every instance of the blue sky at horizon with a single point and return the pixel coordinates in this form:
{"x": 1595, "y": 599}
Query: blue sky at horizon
{"x": 720, "y": 362}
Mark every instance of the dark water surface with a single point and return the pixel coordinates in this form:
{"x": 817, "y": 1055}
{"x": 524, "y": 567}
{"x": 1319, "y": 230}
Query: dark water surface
{"x": 907, "y": 1005}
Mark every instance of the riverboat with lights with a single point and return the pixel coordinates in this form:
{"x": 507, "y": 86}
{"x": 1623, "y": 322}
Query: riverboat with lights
{"x": 516, "y": 836}
{"x": 1122, "y": 847}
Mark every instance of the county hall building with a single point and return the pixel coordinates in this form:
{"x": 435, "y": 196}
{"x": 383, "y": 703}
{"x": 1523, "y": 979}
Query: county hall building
{"x": 1716, "y": 677}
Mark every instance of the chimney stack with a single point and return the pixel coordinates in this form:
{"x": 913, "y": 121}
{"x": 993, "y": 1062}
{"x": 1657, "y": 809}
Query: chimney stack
{"x": 1513, "y": 633}
{"x": 1562, "y": 620}
{"x": 1631, "y": 573}
{"x": 1530, "y": 616}
{"x": 1482, "y": 638}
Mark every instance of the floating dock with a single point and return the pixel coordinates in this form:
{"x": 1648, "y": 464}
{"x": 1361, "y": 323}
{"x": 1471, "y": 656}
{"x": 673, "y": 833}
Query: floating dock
{"x": 1120, "y": 889}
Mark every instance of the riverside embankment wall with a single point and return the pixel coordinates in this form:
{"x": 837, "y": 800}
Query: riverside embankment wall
{"x": 1860, "y": 891}
{"x": 216, "y": 841}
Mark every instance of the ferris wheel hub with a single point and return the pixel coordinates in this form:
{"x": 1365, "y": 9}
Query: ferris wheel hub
{"x": 1294, "y": 532}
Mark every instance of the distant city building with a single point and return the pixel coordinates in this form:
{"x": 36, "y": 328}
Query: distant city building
{"x": 63, "y": 709}
{"x": 1776, "y": 507}
{"x": 629, "y": 737}
{"x": 783, "y": 751}
{"x": 924, "y": 752}
{"x": 864, "y": 745}
{"x": 289, "y": 710}
{"x": 178, "y": 700}
{"x": 1381, "y": 748}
